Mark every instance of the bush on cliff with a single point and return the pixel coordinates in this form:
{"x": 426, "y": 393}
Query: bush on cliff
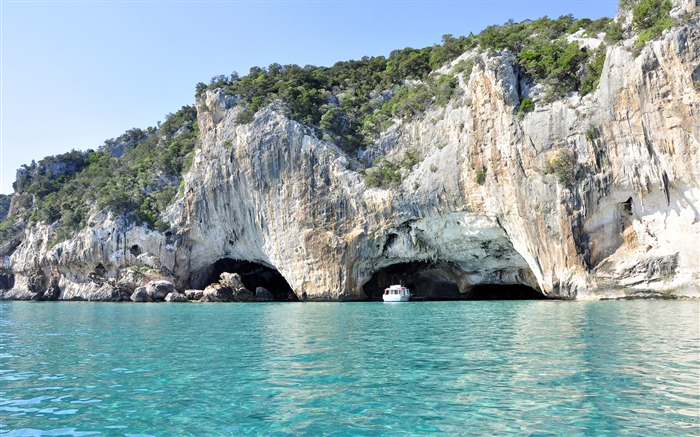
{"x": 140, "y": 184}
{"x": 563, "y": 165}
{"x": 138, "y": 174}
{"x": 352, "y": 101}
{"x": 4, "y": 205}
{"x": 650, "y": 18}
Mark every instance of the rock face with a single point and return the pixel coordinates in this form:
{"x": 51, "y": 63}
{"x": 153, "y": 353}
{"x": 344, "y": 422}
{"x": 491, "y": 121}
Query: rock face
{"x": 140, "y": 295}
{"x": 230, "y": 288}
{"x": 158, "y": 290}
{"x": 194, "y": 294}
{"x": 263, "y": 295}
{"x": 478, "y": 209}
{"x": 175, "y": 296}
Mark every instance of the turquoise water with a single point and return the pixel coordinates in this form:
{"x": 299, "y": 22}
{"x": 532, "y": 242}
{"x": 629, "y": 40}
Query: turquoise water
{"x": 460, "y": 368}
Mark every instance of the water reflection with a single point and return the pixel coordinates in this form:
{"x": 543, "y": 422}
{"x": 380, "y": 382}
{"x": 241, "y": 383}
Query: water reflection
{"x": 315, "y": 368}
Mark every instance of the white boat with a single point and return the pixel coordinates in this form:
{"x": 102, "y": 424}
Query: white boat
{"x": 396, "y": 293}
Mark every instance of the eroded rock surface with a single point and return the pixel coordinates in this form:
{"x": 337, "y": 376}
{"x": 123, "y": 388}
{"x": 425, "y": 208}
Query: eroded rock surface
{"x": 477, "y": 209}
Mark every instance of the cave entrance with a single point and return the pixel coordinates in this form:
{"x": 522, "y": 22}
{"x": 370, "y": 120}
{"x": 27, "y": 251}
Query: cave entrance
{"x": 503, "y": 292}
{"x": 427, "y": 280}
{"x": 7, "y": 280}
{"x": 439, "y": 280}
{"x": 253, "y": 275}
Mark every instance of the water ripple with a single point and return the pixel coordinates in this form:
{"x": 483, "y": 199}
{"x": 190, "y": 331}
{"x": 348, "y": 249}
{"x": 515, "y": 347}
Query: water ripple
{"x": 460, "y": 368}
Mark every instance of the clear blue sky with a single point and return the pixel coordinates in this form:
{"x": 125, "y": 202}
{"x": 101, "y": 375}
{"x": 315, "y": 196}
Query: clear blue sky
{"x": 75, "y": 73}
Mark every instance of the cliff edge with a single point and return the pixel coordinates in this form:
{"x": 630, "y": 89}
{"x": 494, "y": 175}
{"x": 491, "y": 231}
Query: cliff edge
{"x": 581, "y": 197}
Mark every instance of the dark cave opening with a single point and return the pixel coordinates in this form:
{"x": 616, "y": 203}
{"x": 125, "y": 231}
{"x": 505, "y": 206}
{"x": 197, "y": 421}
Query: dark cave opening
{"x": 426, "y": 279}
{"x": 503, "y": 292}
{"x": 253, "y": 275}
{"x": 439, "y": 280}
{"x": 7, "y": 280}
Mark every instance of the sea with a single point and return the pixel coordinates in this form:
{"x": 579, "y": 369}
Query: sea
{"x": 286, "y": 369}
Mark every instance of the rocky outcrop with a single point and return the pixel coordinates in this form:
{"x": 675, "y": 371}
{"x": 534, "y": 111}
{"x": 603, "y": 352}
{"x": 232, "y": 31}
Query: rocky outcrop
{"x": 158, "y": 290}
{"x": 194, "y": 294}
{"x": 176, "y": 296}
{"x": 481, "y": 206}
{"x": 108, "y": 293}
{"x": 263, "y": 295}
{"x": 230, "y": 288}
{"x": 140, "y": 295}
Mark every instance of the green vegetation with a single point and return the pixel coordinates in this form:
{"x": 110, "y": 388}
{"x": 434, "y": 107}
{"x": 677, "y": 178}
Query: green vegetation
{"x": 562, "y": 165}
{"x": 352, "y": 101}
{"x": 138, "y": 174}
{"x": 385, "y": 173}
{"x": 592, "y": 28}
{"x": 542, "y": 50}
{"x": 4, "y": 205}
{"x": 141, "y": 271}
{"x": 63, "y": 189}
{"x": 594, "y": 69}
{"x": 481, "y": 177}
{"x": 8, "y": 229}
{"x": 592, "y": 133}
{"x": 650, "y": 18}
{"x": 614, "y": 33}
{"x": 526, "y": 106}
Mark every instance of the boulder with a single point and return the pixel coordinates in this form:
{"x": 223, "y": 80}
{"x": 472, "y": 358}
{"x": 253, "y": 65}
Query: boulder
{"x": 53, "y": 291}
{"x": 217, "y": 293}
{"x": 231, "y": 280}
{"x": 263, "y": 295}
{"x": 176, "y": 296}
{"x": 244, "y": 295}
{"x": 194, "y": 294}
{"x": 230, "y": 288}
{"x": 157, "y": 290}
{"x": 140, "y": 295}
{"x": 108, "y": 293}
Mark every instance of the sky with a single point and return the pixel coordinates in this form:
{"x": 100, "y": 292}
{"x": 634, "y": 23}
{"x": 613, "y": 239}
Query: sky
{"x": 74, "y": 73}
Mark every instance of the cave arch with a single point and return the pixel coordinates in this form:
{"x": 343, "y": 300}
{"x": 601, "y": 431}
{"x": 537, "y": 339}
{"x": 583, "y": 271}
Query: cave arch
{"x": 253, "y": 275}
{"x": 441, "y": 280}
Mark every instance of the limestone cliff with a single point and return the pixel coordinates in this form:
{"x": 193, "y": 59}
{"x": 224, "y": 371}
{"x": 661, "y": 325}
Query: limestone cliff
{"x": 481, "y": 206}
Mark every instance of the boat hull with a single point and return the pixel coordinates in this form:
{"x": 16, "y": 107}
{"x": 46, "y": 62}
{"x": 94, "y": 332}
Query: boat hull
{"x": 395, "y": 298}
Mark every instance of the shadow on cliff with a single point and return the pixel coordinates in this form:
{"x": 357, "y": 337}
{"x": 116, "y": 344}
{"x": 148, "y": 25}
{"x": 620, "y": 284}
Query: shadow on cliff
{"x": 438, "y": 280}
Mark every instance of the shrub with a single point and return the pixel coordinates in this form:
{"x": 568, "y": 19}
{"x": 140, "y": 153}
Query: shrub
{"x": 613, "y": 33}
{"x": 4, "y": 205}
{"x": 245, "y": 116}
{"x": 652, "y": 14}
{"x": 464, "y": 66}
{"x": 562, "y": 165}
{"x": 480, "y": 177}
{"x": 352, "y": 101}
{"x": 594, "y": 69}
{"x": 650, "y": 18}
{"x": 593, "y": 28}
{"x": 592, "y": 133}
{"x": 8, "y": 230}
{"x": 138, "y": 185}
{"x": 526, "y": 106}
{"x": 383, "y": 173}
